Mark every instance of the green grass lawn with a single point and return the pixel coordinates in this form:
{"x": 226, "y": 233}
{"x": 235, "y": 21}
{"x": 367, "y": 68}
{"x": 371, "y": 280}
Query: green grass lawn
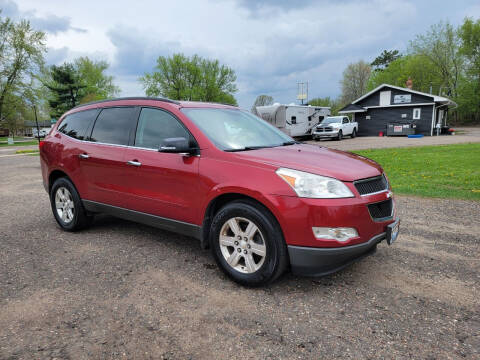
{"x": 24, "y": 143}
{"x": 27, "y": 151}
{"x": 447, "y": 171}
{"x": 4, "y": 138}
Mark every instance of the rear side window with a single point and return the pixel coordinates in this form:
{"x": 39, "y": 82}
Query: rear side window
{"x": 113, "y": 125}
{"x": 75, "y": 125}
{"x": 156, "y": 125}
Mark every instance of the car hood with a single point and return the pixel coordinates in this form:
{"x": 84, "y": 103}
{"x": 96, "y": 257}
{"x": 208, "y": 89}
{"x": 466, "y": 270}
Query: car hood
{"x": 317, "y": 160}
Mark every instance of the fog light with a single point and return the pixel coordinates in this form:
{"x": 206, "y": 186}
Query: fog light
{"x": 340, "y": 234}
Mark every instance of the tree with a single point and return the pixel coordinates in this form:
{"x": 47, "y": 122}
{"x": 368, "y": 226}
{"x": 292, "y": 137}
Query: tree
{"x": 441, "y": 45}
{"x": 333, "y": 104}
{"x": 382, "y": 61}
{"x": 98, "y": 85}
{"x": 354, "y": 82}
{"x": 21, "y": 55}
{"x": 261, "y": 100}
{"x": 469, "y": 89}
{"x": 64, "y": 86}
{"x": 424, "y": 74}
{"x": 191, "y": 78}
{"x": 79, "y": 82}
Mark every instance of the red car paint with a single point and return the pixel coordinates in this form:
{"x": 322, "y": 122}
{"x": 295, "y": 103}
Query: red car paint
{"x": 181, "y": 188}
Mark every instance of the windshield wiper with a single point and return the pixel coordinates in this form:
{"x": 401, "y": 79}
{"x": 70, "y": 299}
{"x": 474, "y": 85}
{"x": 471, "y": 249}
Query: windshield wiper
{"x": 292, "y": 142}
{"x": 247, "y": 148}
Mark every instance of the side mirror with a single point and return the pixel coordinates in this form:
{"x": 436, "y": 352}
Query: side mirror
{"x": 176, "y": 145}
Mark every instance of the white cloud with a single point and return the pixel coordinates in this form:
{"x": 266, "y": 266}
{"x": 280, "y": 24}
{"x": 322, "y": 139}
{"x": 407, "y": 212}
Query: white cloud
{"x": 271, "y": 44}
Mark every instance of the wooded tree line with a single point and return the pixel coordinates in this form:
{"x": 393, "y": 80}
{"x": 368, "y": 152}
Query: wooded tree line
{"x": 26, "y": 81}
{"x": 444, "y": 61}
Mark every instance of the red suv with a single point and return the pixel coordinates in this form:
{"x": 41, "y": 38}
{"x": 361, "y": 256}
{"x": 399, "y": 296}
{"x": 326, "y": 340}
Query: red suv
{"x": 259, "y": 199}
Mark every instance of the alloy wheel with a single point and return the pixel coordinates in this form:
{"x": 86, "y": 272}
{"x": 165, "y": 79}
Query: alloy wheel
{"x": 242, "y": 245}
{"x": 64, "y": 204}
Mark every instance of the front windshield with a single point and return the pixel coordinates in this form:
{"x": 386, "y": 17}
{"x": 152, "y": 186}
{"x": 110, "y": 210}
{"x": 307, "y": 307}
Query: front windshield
{"x": 234, "y": 130}
{"x": 331, "y": 121}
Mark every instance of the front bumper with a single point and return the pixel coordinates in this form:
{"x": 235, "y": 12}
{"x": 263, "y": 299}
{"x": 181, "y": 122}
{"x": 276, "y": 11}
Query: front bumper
{"x": 325, "y": 134}
{"x": 315, "y": 262}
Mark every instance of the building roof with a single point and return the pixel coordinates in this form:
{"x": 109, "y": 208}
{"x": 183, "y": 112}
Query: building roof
{"x": 352, "y": 108}
{"x": 41, "y": 123}
{"x": 436, "y": 98}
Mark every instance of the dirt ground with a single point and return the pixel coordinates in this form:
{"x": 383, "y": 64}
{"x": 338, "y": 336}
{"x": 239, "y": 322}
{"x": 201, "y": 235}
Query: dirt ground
{"x": 120, "y": 290}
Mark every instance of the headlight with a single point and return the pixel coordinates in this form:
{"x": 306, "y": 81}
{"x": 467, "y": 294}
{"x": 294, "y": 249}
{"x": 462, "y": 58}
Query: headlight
{"x": 314, "y": 186}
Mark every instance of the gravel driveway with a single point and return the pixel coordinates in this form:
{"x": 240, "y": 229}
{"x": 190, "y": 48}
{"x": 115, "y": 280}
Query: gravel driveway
{"x": 125, "y": 291}
{"x": 466, "y": 135}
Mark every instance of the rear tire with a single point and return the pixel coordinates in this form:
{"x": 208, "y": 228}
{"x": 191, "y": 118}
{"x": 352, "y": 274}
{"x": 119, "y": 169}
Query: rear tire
{"x": 67, "y": 207}
{"x": 354, "y": 133}
{"x": 247, "y": 244}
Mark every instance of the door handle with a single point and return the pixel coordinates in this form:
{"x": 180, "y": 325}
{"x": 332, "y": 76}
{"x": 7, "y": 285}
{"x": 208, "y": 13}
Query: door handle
{"x": 83, "y": 156}
{"x": 134, "y": 163}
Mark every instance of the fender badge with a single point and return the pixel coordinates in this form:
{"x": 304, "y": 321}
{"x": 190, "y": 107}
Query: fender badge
{"x": 389, "y": 195}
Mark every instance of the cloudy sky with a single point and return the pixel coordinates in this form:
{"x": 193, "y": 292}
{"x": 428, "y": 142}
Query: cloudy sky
{"x": 271, "y": 44}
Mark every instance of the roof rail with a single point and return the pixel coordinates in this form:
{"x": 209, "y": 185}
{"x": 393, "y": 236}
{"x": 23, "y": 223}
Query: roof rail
{"x": 129, "y": 98}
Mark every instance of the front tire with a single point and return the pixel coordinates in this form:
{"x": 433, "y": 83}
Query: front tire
{"x": 340, "y": 135}
{"x": 67, "y": 206}
{"x": 247, "y": 244}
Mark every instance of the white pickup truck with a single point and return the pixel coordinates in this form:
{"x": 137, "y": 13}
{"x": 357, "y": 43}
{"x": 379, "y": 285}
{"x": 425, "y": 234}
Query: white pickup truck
{"x": 335, "y": 127}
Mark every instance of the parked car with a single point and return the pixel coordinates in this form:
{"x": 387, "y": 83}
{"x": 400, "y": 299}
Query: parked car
{"x": 40, "y": 133}
{"x": 260, "y": 200}
{"x": 335, "y": 127}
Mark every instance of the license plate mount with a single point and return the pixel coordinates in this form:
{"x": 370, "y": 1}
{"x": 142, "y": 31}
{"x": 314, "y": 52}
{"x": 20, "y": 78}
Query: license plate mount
{"x": 392, "y": 231}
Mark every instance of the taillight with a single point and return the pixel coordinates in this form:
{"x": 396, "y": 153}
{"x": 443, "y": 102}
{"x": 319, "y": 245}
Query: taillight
{"x": 40, "y": 144}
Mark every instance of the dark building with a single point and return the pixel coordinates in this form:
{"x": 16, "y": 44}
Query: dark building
{"x": 401, "y": 107}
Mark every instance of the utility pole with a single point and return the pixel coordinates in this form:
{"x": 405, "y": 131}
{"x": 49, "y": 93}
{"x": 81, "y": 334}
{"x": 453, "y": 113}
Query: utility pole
{"x": 36, "y": 122}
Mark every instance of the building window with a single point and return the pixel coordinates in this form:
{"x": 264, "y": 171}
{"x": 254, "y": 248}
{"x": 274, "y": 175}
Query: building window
{"x": 416, "y": 113}
{"x": 385, "y": 97}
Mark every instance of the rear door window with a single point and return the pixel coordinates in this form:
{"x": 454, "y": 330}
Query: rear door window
{"x": 75, "y": 125}
{"x": 114, "y": 125}
{"x": 155, "y": 125}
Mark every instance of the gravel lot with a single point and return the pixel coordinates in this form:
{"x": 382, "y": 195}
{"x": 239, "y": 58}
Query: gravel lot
{"x": 466, "y": 135}
{"x": 122, "y": 290}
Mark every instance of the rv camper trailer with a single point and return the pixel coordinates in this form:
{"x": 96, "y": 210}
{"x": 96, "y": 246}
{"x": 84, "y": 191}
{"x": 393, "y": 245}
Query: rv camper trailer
{"x": 294, "y": 120}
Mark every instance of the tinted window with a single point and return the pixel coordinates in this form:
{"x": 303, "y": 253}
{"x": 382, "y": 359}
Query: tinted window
{"x": 156, "y": 125}
{"x": 345, "y": 120}
{"x": 75, "y": 125}
{"x": 113, "y": 125}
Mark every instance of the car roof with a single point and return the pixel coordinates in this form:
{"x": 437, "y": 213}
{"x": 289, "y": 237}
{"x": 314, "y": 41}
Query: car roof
{"x": 150, "y": 101}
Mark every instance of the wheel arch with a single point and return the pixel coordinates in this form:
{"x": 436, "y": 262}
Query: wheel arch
{"x": 54, "y": 175}
{"x": 221, "y": 200}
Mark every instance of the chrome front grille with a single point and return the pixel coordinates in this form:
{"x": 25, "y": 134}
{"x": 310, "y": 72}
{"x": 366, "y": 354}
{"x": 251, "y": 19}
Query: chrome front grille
{"x": 324, "y": 129}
